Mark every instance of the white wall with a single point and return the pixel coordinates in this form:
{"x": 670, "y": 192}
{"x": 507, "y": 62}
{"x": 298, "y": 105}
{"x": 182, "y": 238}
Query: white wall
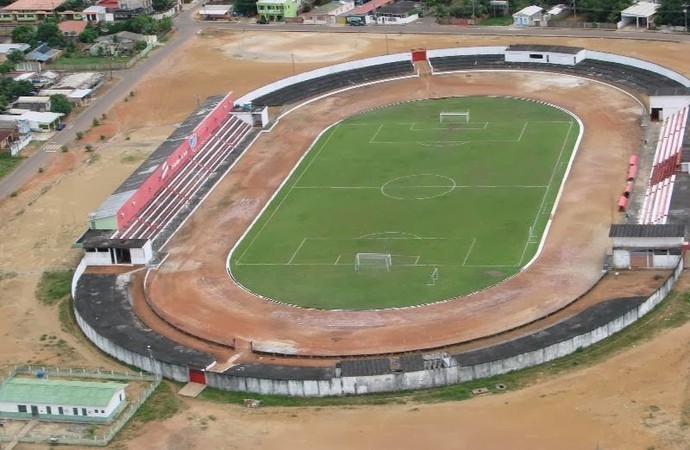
{"x": 384, "y": 20}
{"x": 634, "y": 62}
{"x": 142, "y": 255}
{"x": 248, "y": 98}
{"x": 461, "y": 51}
{"x": 98, "y": 258}
{"x": 645, "y": 243}
{"x": 621, "y": 259}
{"x": 548, "y": 57}
{"x": 115, "y": 402}
{"x": 665, "y": 261}
{"x": 669, "y": 104}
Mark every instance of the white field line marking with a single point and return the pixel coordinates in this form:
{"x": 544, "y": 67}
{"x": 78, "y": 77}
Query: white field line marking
{"x": 336, "y": 260}
{"x": 546, "y": 192}
{"x": 524, "y": 127}
{"x": 469, "y": 250}
{"x": 376, "y": 133}
{"x": 287, "y": 194}
{"x": 297, "y": 251}
{"x": 399, "y": 265}
{"x": 468, "y": 186}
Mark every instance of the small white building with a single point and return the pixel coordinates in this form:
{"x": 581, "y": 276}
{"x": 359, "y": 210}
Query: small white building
{"x": 98, "y": 14}
{"x": 399, "y": 13}
{"x": 35, "y": 103}
{"x": 530, "y": 16}
{"x": 545, "y": 54}
{"x": 38, "y": 121}
{"x": 215, "y": 12}
{"x": 64, "y": 400}
{"x": 638, "y": 246}
{"x": 641, "y": 14}
{"x": 327, "y": 14}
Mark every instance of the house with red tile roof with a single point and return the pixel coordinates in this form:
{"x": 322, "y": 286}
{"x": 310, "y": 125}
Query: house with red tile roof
{"x": 72, "y": 28}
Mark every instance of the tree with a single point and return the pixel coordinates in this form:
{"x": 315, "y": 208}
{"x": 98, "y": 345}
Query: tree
{"x": 140, "y": 45}
{"x": 60, "y": 104}
{"x": 671, "y": 13}
{"x": 144, "y": 24}
{"x": 162, "y": 5}
{"x": 88, "y": 35}
{"x": 49, "y": 33}
{"x": 608, "y": 11}
{"x": 15, "y": 56}
{"x": 23, "y": 34}
{"x": 245, "y": 7}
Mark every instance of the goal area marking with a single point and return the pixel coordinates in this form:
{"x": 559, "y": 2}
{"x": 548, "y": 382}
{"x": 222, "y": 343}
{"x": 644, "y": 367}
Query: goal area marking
{"x": 462, "y": 116}
{"x": 373, "y": 261}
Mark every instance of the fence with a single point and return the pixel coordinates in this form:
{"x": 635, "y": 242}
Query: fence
{"x": 101, "y": 67}
{"x": 588, "y": 25}
{"x": 90, "y": 440}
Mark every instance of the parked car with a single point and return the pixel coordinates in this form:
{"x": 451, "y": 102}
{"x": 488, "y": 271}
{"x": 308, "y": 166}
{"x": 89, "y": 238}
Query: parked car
{"x": 261, "y": 21}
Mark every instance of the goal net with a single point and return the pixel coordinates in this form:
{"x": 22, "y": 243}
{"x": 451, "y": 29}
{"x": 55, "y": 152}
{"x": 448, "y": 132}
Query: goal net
{"x": 454, "y": 116}
{"x": 365, "y": 261}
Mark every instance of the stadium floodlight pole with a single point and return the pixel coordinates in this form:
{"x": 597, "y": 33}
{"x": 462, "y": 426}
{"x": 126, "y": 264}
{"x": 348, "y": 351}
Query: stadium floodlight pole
{"x": 685, "y": 13}
{"x": 292, "y": 55}
{"x": 153, "y": 361}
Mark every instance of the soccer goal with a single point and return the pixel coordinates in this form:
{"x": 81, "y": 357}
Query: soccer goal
{"x": 454, "y": 116}
{"x": 365, "y": 261}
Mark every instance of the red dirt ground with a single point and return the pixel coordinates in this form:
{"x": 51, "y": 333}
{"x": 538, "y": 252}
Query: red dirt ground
{"x": 569, "y": 265}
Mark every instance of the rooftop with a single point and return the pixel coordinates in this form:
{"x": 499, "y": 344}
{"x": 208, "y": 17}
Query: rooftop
{"x": 641, "y": 9}
{"x": 58, "y": 392}
{"x": 368, "y": 7}
{"x": 543, "y": 48}
{"x": 72, "y": 26}
{"x": 529, "y": 11}
{"x": 646, "y": 231}
{"x": 34, "y": 5}
{"x": 402, "y": 7}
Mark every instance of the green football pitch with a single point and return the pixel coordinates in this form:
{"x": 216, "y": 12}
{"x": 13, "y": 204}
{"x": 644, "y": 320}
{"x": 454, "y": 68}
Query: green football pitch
{"x": 398, "y": 207}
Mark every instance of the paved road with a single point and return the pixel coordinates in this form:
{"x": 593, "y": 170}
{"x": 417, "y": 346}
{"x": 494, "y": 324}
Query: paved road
{"x": 127, "y": 79}
{"x": 186, "y": 27}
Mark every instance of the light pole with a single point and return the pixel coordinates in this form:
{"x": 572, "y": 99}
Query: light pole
{"x": 153, "y": 361}
{"x": 685, "y": 13}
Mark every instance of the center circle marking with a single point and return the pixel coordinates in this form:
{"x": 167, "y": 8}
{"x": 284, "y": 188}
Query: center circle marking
{"x": 418, "y": 187}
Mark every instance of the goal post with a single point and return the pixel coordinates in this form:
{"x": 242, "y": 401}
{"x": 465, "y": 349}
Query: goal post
{"x": 375, "y": 261}
{"x": 454, "y": 116}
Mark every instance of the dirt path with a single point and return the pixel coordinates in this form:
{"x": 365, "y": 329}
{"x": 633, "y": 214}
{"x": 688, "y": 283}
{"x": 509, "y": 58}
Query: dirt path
{"x": 632, "y": 401}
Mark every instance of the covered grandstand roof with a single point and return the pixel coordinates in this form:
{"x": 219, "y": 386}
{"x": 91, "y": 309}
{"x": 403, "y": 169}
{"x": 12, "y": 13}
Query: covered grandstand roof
{"x": 113, "y": 203}
{"x": 646, "y": 231}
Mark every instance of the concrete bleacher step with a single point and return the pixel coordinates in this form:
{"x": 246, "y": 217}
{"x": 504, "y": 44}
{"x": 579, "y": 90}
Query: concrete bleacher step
{"x": 191, "y": 389}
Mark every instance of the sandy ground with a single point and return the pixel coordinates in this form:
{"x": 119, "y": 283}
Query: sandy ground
{"x": 632, "y": 401}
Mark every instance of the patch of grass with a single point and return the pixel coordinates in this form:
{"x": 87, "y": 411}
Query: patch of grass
{"x": 400, "y": 165}
{"x": 67, "y": 319}
{"x": 54, "y": 286}
{"x": 7, "y": 275}
{"x": 674, "y": 311}
{"x": 90, "y": 60}
{"x": 497, "y": 21}
{"x": 8, "y": 163}
{"x": 161, "y": 405}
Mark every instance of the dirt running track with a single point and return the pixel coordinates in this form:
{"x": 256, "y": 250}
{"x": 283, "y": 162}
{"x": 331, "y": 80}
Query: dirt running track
{"x": 192, "y": 290}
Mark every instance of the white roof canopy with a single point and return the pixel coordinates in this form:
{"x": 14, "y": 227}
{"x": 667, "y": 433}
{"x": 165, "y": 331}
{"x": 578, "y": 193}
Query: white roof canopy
{"x": 641, "y": 9}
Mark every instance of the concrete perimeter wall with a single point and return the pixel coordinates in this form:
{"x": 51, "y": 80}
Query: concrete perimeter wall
{"x": 248, "y": 98}
{"x": 443, "y": 376}
{"x": 639, "y": 63}
{"x": 392, "y": 381}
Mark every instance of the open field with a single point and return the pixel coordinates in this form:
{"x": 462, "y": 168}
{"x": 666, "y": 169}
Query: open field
{"x": 434, "y": 210}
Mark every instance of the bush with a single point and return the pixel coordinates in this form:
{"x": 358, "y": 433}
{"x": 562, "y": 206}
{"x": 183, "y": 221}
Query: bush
{"x": 102, "y": 137}
{"x": 88, "y": 148}
{"x": 64, "y": 149}
{"x": 95, "y": 122}
{"x": 80, "y": 135}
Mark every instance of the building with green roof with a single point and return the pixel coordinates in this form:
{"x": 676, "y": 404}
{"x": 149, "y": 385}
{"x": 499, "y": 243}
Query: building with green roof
{"x": 79, "y": 401}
